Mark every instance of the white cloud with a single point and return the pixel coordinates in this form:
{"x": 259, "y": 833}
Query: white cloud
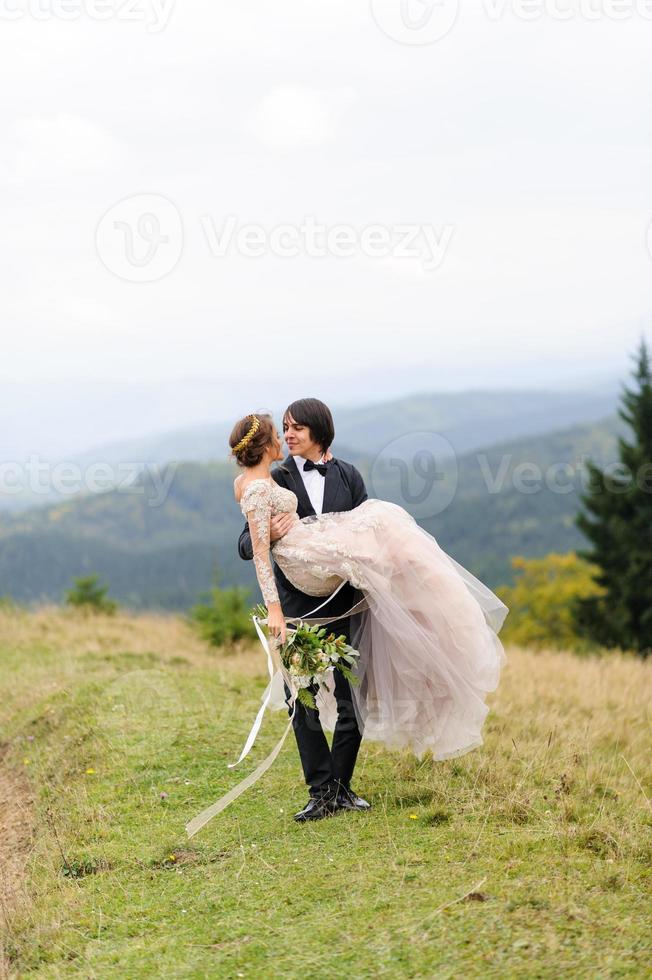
{"x": 61, "y": 146}
{"x": 512, "y": 132}
{"x": 290, "y": 117}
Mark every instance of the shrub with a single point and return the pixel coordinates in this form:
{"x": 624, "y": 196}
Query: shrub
{"x": 226, "y": 618}
{"x": 542, "y": 601}
{"x": 89, "y": 595}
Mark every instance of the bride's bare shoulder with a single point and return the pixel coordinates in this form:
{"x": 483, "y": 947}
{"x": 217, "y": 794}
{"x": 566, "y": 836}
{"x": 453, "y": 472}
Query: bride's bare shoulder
{"x": 238, "y": 487}
{"x": 240, "y": 484}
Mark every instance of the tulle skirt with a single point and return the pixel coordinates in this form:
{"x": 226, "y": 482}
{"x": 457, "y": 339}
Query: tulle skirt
{"x": 428, "y": 639}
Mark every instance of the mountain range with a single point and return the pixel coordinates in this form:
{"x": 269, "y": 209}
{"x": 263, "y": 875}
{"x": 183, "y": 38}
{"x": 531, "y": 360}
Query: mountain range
{"x": 158, "y": 542}
{"x": 464, "y": 421}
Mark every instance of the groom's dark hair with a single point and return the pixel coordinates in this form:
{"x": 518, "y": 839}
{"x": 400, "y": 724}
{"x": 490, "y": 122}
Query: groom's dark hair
{"x": 318, "y": 418}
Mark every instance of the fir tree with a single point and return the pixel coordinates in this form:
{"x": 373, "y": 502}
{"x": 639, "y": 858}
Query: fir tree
{"x": 618, "y": 523}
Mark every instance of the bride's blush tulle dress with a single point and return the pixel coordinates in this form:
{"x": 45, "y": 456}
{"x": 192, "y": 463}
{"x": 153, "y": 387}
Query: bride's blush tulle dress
{"x": 428, "y": 639}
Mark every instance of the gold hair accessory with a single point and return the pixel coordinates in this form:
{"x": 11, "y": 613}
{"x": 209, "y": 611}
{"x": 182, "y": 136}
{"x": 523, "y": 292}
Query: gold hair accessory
{"x": 255, "y": 425}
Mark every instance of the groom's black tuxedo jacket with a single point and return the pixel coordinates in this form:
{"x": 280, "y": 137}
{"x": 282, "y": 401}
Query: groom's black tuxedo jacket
{"x": 344, "y": 489}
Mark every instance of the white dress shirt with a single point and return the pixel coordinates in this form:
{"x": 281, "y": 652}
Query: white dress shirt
{"x": 314, "y": 483}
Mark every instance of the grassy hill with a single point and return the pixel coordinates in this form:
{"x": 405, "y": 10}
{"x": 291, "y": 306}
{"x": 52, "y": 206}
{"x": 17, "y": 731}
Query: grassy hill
{"x": 527, "y": 857}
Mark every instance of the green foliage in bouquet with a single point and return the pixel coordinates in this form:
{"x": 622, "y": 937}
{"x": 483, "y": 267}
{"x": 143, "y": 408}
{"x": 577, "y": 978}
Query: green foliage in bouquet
{"x": 310, "y": 653}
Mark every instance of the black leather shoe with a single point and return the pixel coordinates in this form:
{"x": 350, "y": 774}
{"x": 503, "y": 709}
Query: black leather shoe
{"x": 318, "y": 807}
{"x": 348, "y": 800}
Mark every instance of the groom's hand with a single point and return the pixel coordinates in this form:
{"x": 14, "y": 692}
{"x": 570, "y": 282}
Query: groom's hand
{"x": 280, "y": 525}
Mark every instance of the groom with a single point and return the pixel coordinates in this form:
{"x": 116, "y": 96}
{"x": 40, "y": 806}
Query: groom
{"x": 321, "y": 487}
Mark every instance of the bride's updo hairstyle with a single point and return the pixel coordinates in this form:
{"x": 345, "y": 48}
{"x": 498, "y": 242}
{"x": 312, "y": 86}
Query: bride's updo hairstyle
{"x": 250, "y": 438}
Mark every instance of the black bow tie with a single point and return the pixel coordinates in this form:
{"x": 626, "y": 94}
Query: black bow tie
{"x": 320, "y": 467}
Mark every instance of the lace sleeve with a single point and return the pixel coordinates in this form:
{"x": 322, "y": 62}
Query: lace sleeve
{"x": 256, "y": 504}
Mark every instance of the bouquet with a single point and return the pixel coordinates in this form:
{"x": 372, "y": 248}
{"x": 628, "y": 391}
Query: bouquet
{"x": 310, "y": 654}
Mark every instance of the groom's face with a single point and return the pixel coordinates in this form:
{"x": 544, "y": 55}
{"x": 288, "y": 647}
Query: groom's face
{"x": 299, "y": 439}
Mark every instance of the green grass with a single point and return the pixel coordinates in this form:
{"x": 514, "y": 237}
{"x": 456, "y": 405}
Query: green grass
{"x": 545, "y": 829}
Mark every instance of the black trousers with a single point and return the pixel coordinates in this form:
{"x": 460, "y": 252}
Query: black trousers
{"x": 322, "y": 766}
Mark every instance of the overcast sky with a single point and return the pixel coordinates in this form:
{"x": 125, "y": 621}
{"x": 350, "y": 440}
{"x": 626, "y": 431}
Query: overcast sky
{"x": 516, "y": 153}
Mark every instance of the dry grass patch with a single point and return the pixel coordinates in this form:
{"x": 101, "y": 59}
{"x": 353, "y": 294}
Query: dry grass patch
{"x": 527, "y": 857}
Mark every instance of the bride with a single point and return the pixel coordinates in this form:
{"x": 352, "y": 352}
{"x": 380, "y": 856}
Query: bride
{"x": 428, "y": 639}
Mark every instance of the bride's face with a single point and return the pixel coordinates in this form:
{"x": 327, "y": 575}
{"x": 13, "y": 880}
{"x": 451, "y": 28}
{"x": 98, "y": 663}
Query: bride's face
{"x": 275, "y": 449}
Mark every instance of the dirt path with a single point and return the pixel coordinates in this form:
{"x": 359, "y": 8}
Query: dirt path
{"x": 16, "y": 828}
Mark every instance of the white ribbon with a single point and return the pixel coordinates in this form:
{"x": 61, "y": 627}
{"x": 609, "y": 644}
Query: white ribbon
{"x": 202, "y": 818}
{"x": 251, "y": 738}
